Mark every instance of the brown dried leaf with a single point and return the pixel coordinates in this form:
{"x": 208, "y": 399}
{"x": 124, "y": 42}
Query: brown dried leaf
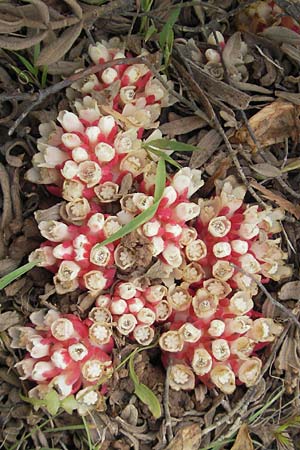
{"x": 188, "y": 437}
{"x": 271, "y": 125}
{"x": 281, "y": 34}
{"x": 8, "y": 319}
{"x": 266, "y": 170}
{"x": 207, "y": 145}
{"x": 282, "y": 202}
{"x": 42, "y": 10}
{"x": 182, "y": 126}
{"x": 243, "y": 440}
{"x": 17, "y": 43}
{"x": 290, "y": 290}
{"x": 57, "y": 49}
{"x": 76, "y": 8}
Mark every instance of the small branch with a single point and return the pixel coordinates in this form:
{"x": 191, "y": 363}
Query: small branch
{"x": 168, "y": 418}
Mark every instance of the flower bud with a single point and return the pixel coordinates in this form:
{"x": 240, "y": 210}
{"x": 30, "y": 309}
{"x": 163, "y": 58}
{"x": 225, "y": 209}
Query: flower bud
{"x": 181, "y": 377}
{"x": 68, "y": 271}
{"x": 216, "y": 328}
{"x": 127, "y": 94}
{"x": 90, "y": 173}
{"x": 62, "y": 287}
{"x": 126, "y": 324}
{"x": 100, "y": 314}
{"x": 172, "y": 255}
{"x": 222, "y": 270}
{"x": 264, "y": 330}
{"x": 218, "y": 288}
{"x": 111, "y": 225}
{"x": 222, "y": 249}
{"x": 37, "y": 347}
{"x": 188, "y": 235}
{"x": 201, "y": 362}
{"x": 204, "y": 305}
{"x": 240, "y": 303}
{"x": 109, "y": 75}
{"x": 126, "y": 290}
{"x": 93, "y": 370}
{"x": 96, "y": 222}
{"x": 143, "y": 334}
{"x": 219, "y": 226}
{"x": 250, "y": 371}
{"x": 70, "y": 122}
{"x": 155, "y": 293}
{"x": 142, "y": 201}
{"x": 102, "y": 301}
{"x": 100, "y": 333}
{"x": 196, "y": 250}
{"x": 135, "y": 305}
{"x": 43, "y": 256}
{"x": 239, "y": 246}
{"x": 106, "y": 124}
{"x": 25, "y": 368}
{"x": 98, "y": 52}
{"x": 100, "y": 255}
{"x": 77, "y": 351}
{"x": 70, "y": 170}
{"x": 170, "y": 194}
{"x": 238, "y": 324}
{"x": 61, "y": 385}
{"x": 158, "y": 245}
{"x": 134, "y": 162}
{"x": 124, "y": 257}
{"x": 192, "y": 273}
{"x": 249, "y": 263}
{"x": 118, "y": 306}
{"x": 42, "y": 371}
{"x": 79, "y": 154}
{"x": 107, "y": 192}
{"x": 62, "y": 329}
{"x": 94, "y": 280}
{"x": 215, "y": 38}
{"x": 187, "y": 211}
{"x": 179, "y": 298}
{"x": 190, "y": 333}
{"x": 163, "y": 310}
{"x": 220, "y": 349}
{"x": 212, "y": 56}
{"x": 151, "y": 228}
{"x": 71, "y": 140}
{"x": 146, "y": 316}
{"x": 54, "y": 231}
{"x": 171, "y": 341}
{"x": 242, "y": 347}
{"x": 72, "y": 190}
{"x": 223, "y": 377}
{"x": 92, "y": 133}
{"x": 61, "y": 358}
{"x": 104, "y": 152}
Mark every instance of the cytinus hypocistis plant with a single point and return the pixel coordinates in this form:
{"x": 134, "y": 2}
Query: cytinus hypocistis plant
{"x": 191, "y": 266}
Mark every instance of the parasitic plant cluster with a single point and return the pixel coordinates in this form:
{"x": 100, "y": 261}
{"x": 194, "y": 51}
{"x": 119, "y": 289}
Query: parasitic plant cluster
{"x": 188, "y": 272}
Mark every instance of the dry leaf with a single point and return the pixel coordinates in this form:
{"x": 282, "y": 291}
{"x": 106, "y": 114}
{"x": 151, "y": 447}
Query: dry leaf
{"x": 182, "y": 126}
{"x": 271, "y": 125}
{"x": 8, "y": 319}
{"x": 282, "y": 202}
{"x": 243, "y": 440}
{"x": 187, "y": 438}
{"x": 17, "y": 43}
{"x": 57, "y": 49}
{"x": 281, "y": 34}
{"x": 266, "y": 170}
{"x": 290, "y": 290}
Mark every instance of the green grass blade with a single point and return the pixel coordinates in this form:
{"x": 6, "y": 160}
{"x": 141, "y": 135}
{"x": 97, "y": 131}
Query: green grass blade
{"x": 12, "y": 276}
{"x": 165, "y": 156}
{"x": 33, "y": 70}
{"x": 160, "y": 182}
{"x": 44, "y": 77}
{"x": 167, "y": 144}
{"x": 143, "y": 392}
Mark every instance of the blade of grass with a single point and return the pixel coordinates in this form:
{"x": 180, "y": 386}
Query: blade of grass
{"x": 12, "y": 276}
{"x": 44, "y": 77}
{"x": 160, "y": 183}
{"x": 166, "y": 157}
{"x": 167, "y": 144}
{"x": 90, "y": 444}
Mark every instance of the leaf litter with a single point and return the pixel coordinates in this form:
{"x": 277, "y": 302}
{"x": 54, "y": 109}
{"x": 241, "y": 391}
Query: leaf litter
{"x": 257, "y": 73}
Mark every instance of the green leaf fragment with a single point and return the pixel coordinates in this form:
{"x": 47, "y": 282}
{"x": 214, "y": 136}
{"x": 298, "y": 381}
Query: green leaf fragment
{"x": 143, "y": 392}
{"x": 69, "y": 404}
{"x": 12, "y": 276}
{"x": 52, "y": 402}
{"x": 167, "y": 144}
